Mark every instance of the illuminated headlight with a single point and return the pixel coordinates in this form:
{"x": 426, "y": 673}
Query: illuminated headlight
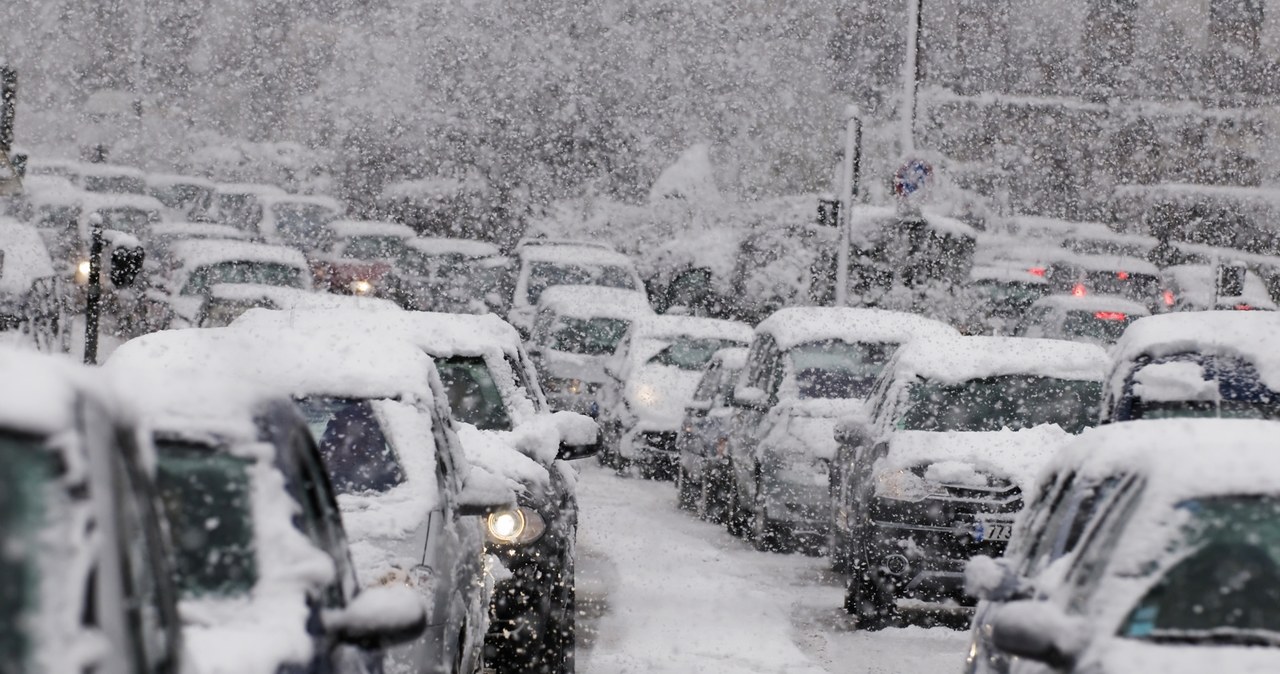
{"x": 515, "y": 526}
{"x": 647, "y": 396}
{"x": 82, "y": 272}
{"x": 556, "y": 385}
{"x": 361, "y": 287}
{"x": 903, "y": 485}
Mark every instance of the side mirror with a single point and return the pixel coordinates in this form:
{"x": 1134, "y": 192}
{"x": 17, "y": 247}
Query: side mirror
{"x": 579, "y": 435}
{"x": 750, "y": 397}
{"x": 379, "y": 618}
{"x": 1039, "y": 631}
{"x": 992, "y": 579}
{"x": 571, "y": 452}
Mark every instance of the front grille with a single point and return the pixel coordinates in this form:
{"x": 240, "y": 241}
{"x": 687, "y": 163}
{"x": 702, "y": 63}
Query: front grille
{"x": 662, "y": 441}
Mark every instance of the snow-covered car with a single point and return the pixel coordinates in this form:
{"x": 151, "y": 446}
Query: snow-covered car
{"x": 1196, "y": 287}
{"x": 1197, "y": 364}
{"x": 113, "y": 179}
{"x": 225, "y": 302}
{"x": 262, "y": 560}
{"x": 575, "y": 334}
{"x": 935, "y": 472}
{"x": 1083, "y": 317}
{"x": 507, "y": 430}
{"x": 542, "y": 266}
{"x": 458, "y": 276}
{"x": 702, "y": 477}
{"x": 807, "y": 367}
{"x": 184, "y": 197}
{"x": 85, "y": 578}
{"x": 1178, "y": 572}
{"x": 655, "y": 371}
{"x": 362, "y": 253}
{"x": 299, "y": 221}
{"x": 407, "y": 493}
{"x": 240, "y": 205}
{"x": 1132, "y": 278}
{"x": 63, "y": 218}
{"x": 1004, "y": 294}
{"x": 197, "y": 266}
{"x": 23, "y": 260}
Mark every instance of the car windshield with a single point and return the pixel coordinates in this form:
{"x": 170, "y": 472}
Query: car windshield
{"x": 996, "y": 403}
{"x": 473, "y": 394}
{"x": 28, "y": 472}
{"x": 304, "y": 226}
{"x": 374, "y": 248}
{"x": 691, "y": 354}
{"x": 1142, "y": 288}
{"x": 589, "y": 336}
{"x": 1103, "y": 327}
{"x": 184, "y": 197}
{"x": 133, "y": 221}
{"x": 356, "y": 452}
{"x": 113, "y": 184}
{"x": 838, "y": 370}
{"x": 543, "y": 275}
{"x": 208, "y": 501}
{"x": 1225, "y": 584}
{"x": 242, "y": 271}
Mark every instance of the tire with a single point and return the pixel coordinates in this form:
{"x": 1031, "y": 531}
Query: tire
{"x": 767, "y": 535}
{"x": 686, "y": 499}
{"x": 869, "y": 600}
{"x": 736, "y": 520}
{"x": 838, "y": 548}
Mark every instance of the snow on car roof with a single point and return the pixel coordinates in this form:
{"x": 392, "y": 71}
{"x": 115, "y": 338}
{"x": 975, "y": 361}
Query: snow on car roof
{"x": 193, "y": 253}
{"x": 33, "y": 184}
{"x": 872, "y": 218}
{"x": 1006, "y": 274}
{"x": 40, "y": 391}
{"x": 1091, "y": 302}
{"x": 297, "y": 299}
{"x": 595, "y": 302}
{"x": 259, "y": 189}
{"x": 731, "y": 358}
{"x": 798, "y": 325}
{"x": 171, "y": 179}
{"x": 671, "y": 327}
{"x": 1132, "y": 265}
{"x": 25, "y": 257}
{"x": 108, "y": 201}
{"x": 110, "y": 170}
{"x": 270, "y": 199}
{"x": 575, "y": 254}
{"x": 529, "y": 242}
{"x": 1197, "y": 284}
{"x": 433, "y": 245}
{"x": 346, "y": 229}
{"x": 963, "y": 358}
{"x": 1250, "y": 335}
{"x": 433, "y": 188}
{"x": 197, "y": 230}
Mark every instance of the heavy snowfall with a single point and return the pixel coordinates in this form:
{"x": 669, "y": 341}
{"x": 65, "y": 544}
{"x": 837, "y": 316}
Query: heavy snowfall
{"x": 639, "y": 336}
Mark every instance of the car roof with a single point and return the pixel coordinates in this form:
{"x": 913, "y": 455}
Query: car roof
{"x": 297, "y": 299}
{"x": 110, "y": 170}
{"x": 199, "y": 252}
{"x": 1250, "y": 335}
{"x": 960, "y": 359}
{"x": 346, "y": 229}
{"x": 197, "y": 230}
{"x": 532, "y": 242}
{"x": 448, "y": 246}
{"x": 669, "y": 327}
{"x": 440, "y": 334}
{"x": 260, "y": 189}
{"x": 1116, "y": 263}
{"x": 575, "y": 254}
{"x": 595, "y": 301}
{"x": 270, "y": 199}
{"x": 1007, "y": 274}
{"x": 42, "y": 390}
{"x": 1092, "y": 302}
{"x": 798, "y": 325}
{"x": 168, "y": 179}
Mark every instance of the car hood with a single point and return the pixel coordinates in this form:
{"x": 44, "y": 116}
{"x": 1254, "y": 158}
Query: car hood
{"x": 658, "y": 394}
{"x": 962, "y": 457}
{"x": 247, "y": 636}
{"x": 502, "y": 454}
{"x": 1131, "y": 655}
{"x": 565, "y": 365}
{"x": 808, "y": 427}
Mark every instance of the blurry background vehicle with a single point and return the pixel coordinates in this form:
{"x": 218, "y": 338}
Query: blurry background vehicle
{"x": 184, "y": 197}
{"x": 1208, "y": 287}
{"x": 457, "y": 276}
{"x": 200, "y": 265}
{"x": 542, "y": 265}
{"x": 298, "y": 221}
{"x": 1092, "y": 319}
{"x": 702, "y": 477}
{"x": 240, "y": 205}
{"x": 23, "y": 260}
{"x": 362, "y": 253}
{"x": 1131, "y": 278}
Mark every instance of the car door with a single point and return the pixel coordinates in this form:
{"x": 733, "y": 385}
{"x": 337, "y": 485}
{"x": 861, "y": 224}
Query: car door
{"x": 694, "y": 433}
{"x": 763, "y": 366}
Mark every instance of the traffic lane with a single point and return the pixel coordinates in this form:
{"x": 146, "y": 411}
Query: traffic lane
{"x": 661, "y": 591}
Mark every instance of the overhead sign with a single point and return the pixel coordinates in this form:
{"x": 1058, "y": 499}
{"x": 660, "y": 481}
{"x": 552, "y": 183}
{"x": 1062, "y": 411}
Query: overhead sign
{"x": 912, "y": 178}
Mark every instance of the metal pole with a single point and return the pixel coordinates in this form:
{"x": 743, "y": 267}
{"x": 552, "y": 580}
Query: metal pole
{"x": 850, "y": 168}
{"x": 94, "y": 289}
{"x": 911, "y": 74}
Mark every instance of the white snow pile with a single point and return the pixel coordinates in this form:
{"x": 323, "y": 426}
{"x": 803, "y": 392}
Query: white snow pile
{"x": 25, "y": 257}
{"x": 587, "y": 302}
{"x": 1176, "y": 381}
{"x": 800, "y": 325}
{"x": 964, "y": 358}
{"x": 40, "y": 390}
{"x": 670, "y": 328}
{"x": 1248, "y": 335}
{"x": 1017, "y": 455}
{"x": 691, "y": 178}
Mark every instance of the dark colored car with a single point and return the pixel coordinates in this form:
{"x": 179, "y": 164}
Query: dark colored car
{"x": 86, "y": 554}
{"x": 702, "y": 478}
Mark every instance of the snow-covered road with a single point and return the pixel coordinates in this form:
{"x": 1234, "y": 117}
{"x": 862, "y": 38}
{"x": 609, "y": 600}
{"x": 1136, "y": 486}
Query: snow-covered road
{"x": 664, "y": 592}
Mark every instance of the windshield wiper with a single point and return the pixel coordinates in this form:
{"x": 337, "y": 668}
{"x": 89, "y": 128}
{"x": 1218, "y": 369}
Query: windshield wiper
{"x": 1226, "y": 636}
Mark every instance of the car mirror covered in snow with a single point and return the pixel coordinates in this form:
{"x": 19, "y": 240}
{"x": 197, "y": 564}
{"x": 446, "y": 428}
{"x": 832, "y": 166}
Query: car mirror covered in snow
{"x": 1040, "y": 631}
{"x": 750, "y": 397}
{"x": 579, "y": 436}
{"x": 991, "y": 579}
{"x": 378, "y": 618}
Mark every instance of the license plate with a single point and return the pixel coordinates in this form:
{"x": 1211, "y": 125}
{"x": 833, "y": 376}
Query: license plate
{"x": 992, "y": 530}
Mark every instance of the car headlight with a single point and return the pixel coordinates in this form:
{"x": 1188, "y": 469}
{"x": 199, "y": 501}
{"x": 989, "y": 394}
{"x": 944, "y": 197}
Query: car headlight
{"x": 361, "y": 287}
{"x": 515, "y": 526}
{"x": 903, "y": 485}
{"x": 557, "y": 385}
{"x": 82, "y": 272}
{"x": 647, "y": 395}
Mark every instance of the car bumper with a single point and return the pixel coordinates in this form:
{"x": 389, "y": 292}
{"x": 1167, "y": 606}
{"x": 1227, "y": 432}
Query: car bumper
{"x": 803, "y": 509}
{"x": 927, "y": 561}
{"x": 529, "y": 599}
{"x": 655, "y": 448}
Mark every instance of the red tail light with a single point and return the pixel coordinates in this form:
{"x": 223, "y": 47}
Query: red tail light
{"x": 1122, "y": 275}
{"x": 1168, "y": 298}
{"x": 1036, "y": 271}
{"x": 1110, "y": 315}
{"x": 1244, "y": 307}
{"x": 1079, "y": 290}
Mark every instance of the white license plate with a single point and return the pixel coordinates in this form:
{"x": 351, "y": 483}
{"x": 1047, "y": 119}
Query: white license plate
{"x": 992, "y": 530}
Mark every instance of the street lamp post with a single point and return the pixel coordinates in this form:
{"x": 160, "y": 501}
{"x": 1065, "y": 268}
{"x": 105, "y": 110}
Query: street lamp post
{"x": 851, "y": 169}
{"x": 911, "y": 74}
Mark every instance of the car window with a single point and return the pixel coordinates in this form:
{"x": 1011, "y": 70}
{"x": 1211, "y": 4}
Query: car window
{"x": 709, "y": 384}
{"x": 242, "y": 271}
{"x": 1101, "y": 326}
{"x": 28, "y": 472}
{"x": 543, "y": 275}
{"x": 304, "y": 226}
{"x": 373, "y": 248}
{"x": 997, "y": 403}
{"x": 690, "y": 354}
{"x": 356, "y": 452}
{"x": 473, "y": 394}
{"x": 1098, "y": 542}
{"x": 836, "y": 369}
{"x": 588, "y": 337}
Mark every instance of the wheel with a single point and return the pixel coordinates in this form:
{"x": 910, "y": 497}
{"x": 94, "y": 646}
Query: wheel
{"x": 736, "y": 520}
{"x": 869, "y": 599}
{"x": 767, "y": 535}
{"x": 686, "y": 499}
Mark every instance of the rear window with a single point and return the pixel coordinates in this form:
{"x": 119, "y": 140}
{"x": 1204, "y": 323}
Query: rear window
{"x": 838, "y": 370}
{"x": 691, "y": 354}
{"x": 1101, "y": 326}
{"x": 373, "y": 248}
{"x": 241, "y": 271}
{"x": 473, "y": 394}
{"x": 999, "y": 403}
{"x": 543, "y": 275}
{"x": 356, "y": 452}
{"x": 304, "y": 226}
{"x": 589, "y": 337}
